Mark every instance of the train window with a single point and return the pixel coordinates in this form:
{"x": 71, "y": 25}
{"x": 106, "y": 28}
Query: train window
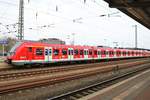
{"x": 46, "y": 51}
{"x": 76, "y": 52}
{"x": 30, "y": 49}
{"x": 124, "y": 53}
{"x": 95, "y": 52}
{"x": 56, "y": 51}
{"x": 84, "y": 52}
{"x": 118, "y": 53}
{"x": 128, "y": 52}
{"x": 64, "y": 52}
{"x": 99, "y": 53}
{"x": 39, "y": 51}
{"x": 90, "y": 52}
{"x": 103, "y": 52}
{"x": 106, "y": 52}
{"x": 87, "y": 52}
{"x": 69, "y": 52}
{"x": 110, "y": 52}
{"x": 72, "y": 52}
{"x": 50, "y": 51}
{"x": 81, "y": 52}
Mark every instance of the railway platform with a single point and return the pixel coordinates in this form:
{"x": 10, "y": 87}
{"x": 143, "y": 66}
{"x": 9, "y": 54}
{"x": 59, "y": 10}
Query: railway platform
{"x": 134, "y": 88}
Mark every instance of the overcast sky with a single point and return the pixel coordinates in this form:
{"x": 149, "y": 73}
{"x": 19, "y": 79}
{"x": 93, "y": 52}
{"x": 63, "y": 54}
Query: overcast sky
{"x": 61, "y": 18}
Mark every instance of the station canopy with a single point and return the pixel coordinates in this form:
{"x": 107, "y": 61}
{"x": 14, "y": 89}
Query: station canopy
{"x": 136, "y": 9}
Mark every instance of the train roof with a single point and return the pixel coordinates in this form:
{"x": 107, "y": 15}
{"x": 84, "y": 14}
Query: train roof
{"x": 36, "y": 43}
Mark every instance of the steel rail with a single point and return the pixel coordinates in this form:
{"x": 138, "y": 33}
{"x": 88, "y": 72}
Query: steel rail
{"x": 79, "y": 93}
{"x": 11, "y": 87}
{"x": 33, "y": 72}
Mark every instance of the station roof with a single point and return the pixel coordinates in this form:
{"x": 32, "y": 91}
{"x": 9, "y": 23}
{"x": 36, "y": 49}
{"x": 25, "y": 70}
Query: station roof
{"x": 136, "y": 9}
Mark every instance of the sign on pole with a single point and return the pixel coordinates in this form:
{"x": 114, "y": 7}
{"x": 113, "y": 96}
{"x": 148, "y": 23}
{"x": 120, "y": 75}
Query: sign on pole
{"x": 3, "y": 41}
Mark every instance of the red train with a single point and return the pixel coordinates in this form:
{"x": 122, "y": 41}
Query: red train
{"x": 24, "y": 53}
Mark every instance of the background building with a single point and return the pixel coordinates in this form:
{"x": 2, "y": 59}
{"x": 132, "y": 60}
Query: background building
{"x": 52, "y": 41}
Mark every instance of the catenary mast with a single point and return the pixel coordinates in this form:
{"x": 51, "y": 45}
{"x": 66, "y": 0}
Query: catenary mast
{"x": 21, "y": 21}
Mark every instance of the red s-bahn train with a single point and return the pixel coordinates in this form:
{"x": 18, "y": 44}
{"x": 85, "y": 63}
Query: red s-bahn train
{"x": 24, "y": 53}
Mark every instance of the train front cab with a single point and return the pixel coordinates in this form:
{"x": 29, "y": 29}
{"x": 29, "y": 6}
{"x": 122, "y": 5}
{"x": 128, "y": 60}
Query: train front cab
{"x": 12, "y": 54}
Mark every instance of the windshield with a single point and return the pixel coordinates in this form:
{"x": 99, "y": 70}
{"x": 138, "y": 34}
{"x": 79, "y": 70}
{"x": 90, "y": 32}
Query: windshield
{"x": 13, "y": 49}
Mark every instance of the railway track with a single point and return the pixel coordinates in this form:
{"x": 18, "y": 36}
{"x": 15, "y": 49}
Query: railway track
{"x": 11, "y": 86}
{"x": 79, "y": 93}
{"x": 14, "y": 74}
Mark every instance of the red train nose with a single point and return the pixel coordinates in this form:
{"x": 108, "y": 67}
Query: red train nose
{"x": 8, "y": 59}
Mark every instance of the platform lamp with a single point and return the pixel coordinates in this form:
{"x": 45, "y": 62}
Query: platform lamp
{"x": 136, "y": 41}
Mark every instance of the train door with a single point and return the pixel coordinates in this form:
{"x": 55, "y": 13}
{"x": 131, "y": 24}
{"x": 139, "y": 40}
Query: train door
{"x": 70, "y": 54}
{"x": 85, "y": 53}
{"x": 30, "y": 53}
{"x": 48, "y": 54}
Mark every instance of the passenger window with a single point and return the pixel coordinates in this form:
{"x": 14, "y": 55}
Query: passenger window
{"x": 84, "y": 52}
{"x": 69, "y": 52}
{"x": 30, "y": 49}
{"x": 99, "y": 53}
{"x": 46, "y": 51}
{"x": 90, "y": 52}
{"x": 64, "y": 52}
{"x": 107, "y": 53}
{"x": 103, "y": 52}
{"x": 118, "y": 53}
{"x": 110, "y": 52}
{"x": 128, "y": 52}
{"x": 56, "y": 52}
{"x": 87, "y": 52}
{"x": 39, "y": 52}
{"x": 81, "y": 52}
{"x": 76, "y": 52}
{"x": 50, "y": 51}
{"x": 72, "y": 52}
{"x": 125, "y": 52}
{"x": 95, "y": 52}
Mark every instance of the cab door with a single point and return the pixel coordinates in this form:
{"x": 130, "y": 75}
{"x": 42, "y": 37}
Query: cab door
{"x": 70, "y": 54}
{"x": 48, "y": 54}
{"x": 30, "y": 53}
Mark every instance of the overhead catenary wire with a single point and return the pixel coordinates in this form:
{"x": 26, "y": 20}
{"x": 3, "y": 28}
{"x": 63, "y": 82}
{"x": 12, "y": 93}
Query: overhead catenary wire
{"x": 47, "y": 13}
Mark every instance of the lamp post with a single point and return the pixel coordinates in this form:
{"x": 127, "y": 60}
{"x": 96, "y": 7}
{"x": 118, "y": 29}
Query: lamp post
{"x": 21, "y": 21}
{"x": 136, "y": 43}
{"x": 105, "y": 40}
{"x": 73, "y": 41}
{"x": 3, "y": 49}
